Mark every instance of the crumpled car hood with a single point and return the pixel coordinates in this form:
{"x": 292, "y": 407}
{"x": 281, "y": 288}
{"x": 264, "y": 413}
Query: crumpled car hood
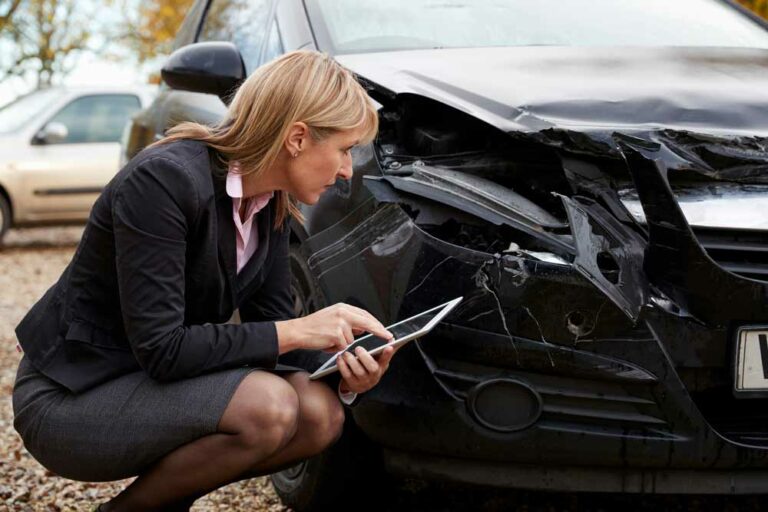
{"x": 529, "y": 89}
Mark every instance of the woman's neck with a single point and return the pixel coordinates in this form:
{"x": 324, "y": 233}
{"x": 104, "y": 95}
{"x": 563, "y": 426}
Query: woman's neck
{"x": 271, "y": 180}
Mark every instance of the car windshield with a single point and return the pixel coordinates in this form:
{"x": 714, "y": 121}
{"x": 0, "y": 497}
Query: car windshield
{"x": 359, "y": 26}
{"x": 18, "y": 113}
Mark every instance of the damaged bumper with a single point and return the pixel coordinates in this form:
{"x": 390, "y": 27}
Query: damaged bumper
{"x": 592, "y": 336}
{"x": 596, "y": 339}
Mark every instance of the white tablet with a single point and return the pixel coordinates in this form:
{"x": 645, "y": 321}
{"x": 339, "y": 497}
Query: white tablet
{"x": 403, "y": 331}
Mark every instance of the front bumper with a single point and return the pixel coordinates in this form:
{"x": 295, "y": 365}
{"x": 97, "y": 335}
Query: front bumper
{"x": 614, "y": 369}
{"x": 576, "y": 478}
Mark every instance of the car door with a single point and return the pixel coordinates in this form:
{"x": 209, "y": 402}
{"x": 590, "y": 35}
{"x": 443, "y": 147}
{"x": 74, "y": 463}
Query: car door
{"x": 60, "y": 181}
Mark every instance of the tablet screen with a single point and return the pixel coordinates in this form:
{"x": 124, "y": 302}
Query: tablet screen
{"x": 399, "y": 330}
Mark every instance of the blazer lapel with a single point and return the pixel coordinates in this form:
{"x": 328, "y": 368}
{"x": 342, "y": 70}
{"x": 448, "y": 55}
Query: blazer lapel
{"x": 253, "y": 267}
{"x": 225, "y": 227}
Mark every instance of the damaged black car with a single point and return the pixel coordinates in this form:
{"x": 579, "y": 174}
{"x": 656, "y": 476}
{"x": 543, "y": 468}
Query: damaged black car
{"x": 591, "y": 176}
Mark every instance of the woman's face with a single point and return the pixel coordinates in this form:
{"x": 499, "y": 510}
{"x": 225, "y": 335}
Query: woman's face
{"x": 319, "y": 163}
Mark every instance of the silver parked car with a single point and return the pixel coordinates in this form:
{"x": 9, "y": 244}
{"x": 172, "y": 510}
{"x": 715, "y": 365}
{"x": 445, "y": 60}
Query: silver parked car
{"x": 58, "y": 148}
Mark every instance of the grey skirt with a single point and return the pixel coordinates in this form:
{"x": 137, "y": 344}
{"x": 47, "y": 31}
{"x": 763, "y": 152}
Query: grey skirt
{"x": 117, "y": 429}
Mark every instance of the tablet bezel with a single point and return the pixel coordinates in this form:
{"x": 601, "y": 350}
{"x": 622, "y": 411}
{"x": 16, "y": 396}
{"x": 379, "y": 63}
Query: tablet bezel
{"x": 446, "y": 308}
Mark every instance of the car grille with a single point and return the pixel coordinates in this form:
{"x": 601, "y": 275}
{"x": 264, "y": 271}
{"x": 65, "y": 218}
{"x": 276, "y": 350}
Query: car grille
{"x": 577, "y": 405}
{"x": 743, "y": 252}
{"x": 583, "y": 396}
{"x": 742, "y": 421}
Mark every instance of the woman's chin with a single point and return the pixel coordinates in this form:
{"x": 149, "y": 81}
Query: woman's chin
{"x": 309, "y": 199}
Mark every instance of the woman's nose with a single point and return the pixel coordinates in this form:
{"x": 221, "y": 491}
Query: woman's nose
{"x": 345, "y": 172}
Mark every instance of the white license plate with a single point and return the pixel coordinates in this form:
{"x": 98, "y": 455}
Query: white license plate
{"x": 752, "y": 359}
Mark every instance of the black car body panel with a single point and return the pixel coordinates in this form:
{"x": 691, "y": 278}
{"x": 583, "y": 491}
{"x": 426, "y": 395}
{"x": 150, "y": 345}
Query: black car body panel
{"x": 599, "y": 330}
{"x": 532, "y": 89}
{"x": 555, "y": 189}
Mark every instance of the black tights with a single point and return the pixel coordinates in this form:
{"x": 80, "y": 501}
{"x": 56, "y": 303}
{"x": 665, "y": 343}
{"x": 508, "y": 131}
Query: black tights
{"x": 269, "y": 424}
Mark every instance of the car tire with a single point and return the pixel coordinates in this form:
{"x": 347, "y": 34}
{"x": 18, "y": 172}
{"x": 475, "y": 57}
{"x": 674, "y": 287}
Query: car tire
{"x": 341, "y": 478}
{"x": 5, "y": 217}
{"x": 307, "y": 296}
{"x": 348, "y": 469}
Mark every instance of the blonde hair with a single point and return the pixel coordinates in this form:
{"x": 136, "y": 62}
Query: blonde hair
{"x": 303, "y": 85}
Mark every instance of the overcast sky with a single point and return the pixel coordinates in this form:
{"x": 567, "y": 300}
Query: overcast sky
{"x": 90, "y": 69}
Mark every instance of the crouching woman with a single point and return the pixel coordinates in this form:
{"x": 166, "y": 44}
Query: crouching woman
{"x": 129, "y": 368}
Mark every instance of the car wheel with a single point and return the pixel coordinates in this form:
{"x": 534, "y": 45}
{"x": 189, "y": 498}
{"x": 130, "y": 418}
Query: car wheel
{"x": 341, "y": 478}
{"x": 332, "y": 479}
{"x": 307, "y": 297}
{"x": 5, "y": 217}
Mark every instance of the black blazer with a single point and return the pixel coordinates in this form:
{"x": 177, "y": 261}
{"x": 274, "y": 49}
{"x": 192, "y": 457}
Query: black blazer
{"x": 154, "y": 278}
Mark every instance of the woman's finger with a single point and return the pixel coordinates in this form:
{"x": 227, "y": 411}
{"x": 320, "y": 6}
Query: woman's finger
{"x": 348, "y": 325}
{"x": 386, "y": 357}
{"x": 369, "y": 322}
{"x": 354, "y": 365}
{"x": 339, "y": 340}
{"x": 349, "y": 336}
{"x": 370, "y": 325}
{"x": 361, "y": 311}
{"x": 346, "y": 374}
{"x": 367, "y": 360}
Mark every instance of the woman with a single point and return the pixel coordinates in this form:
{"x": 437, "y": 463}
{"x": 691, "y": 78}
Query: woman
{"x": 129, "y": 368}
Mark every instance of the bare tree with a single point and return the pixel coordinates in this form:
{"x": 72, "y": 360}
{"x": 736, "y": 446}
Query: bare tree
{"x": 151, "y": 26}
{"x": 40, "y": 36}
{"x": 12, "y": 57}
{"x": 60, "y": 32}
{"x": 7, "y": 9}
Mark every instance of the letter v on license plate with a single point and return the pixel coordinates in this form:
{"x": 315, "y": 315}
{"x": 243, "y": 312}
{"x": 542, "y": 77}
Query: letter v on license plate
{"x": 751, "y": 368}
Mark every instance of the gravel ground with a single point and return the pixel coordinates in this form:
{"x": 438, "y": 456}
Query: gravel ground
{"x": 33, "y": 259}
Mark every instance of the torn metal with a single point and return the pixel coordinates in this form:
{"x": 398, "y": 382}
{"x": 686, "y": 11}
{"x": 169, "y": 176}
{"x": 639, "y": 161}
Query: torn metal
{"x": 607, "y": 250}
{"x": 599, "y": 235}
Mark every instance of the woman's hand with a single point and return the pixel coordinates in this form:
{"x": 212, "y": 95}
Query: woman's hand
{"x": 330, "y": 329}
{"x": 361, "y": 373}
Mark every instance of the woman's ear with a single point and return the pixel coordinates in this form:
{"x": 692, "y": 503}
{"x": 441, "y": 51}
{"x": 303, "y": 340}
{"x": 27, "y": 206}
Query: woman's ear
{"x": 297, "y": 139}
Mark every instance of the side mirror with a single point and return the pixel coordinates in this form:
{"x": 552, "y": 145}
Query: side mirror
{"x": 211, "y": 68}
{"x": 52, "y": 133}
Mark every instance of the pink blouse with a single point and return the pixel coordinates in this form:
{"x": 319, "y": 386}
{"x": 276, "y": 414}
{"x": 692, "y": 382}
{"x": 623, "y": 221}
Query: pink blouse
{"x": 247, "y": 232}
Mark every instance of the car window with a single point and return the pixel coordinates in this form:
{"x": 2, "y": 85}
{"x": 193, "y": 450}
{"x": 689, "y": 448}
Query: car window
{"x": 97, "y": 118}
{"x": 242, "y": 22}
{"x": 186, "y": 33}
{"x": 274, "y": 45}
{"x": 353, "y": 26}
{"x": 18, "y": 113}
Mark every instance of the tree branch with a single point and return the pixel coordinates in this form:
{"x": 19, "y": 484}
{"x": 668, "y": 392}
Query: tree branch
{"x": 5, "y": 18}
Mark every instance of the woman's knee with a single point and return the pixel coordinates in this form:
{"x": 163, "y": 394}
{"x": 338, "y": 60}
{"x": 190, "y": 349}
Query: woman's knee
{"x": 321, "y": 415}
{"x": 263, "y": 412}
